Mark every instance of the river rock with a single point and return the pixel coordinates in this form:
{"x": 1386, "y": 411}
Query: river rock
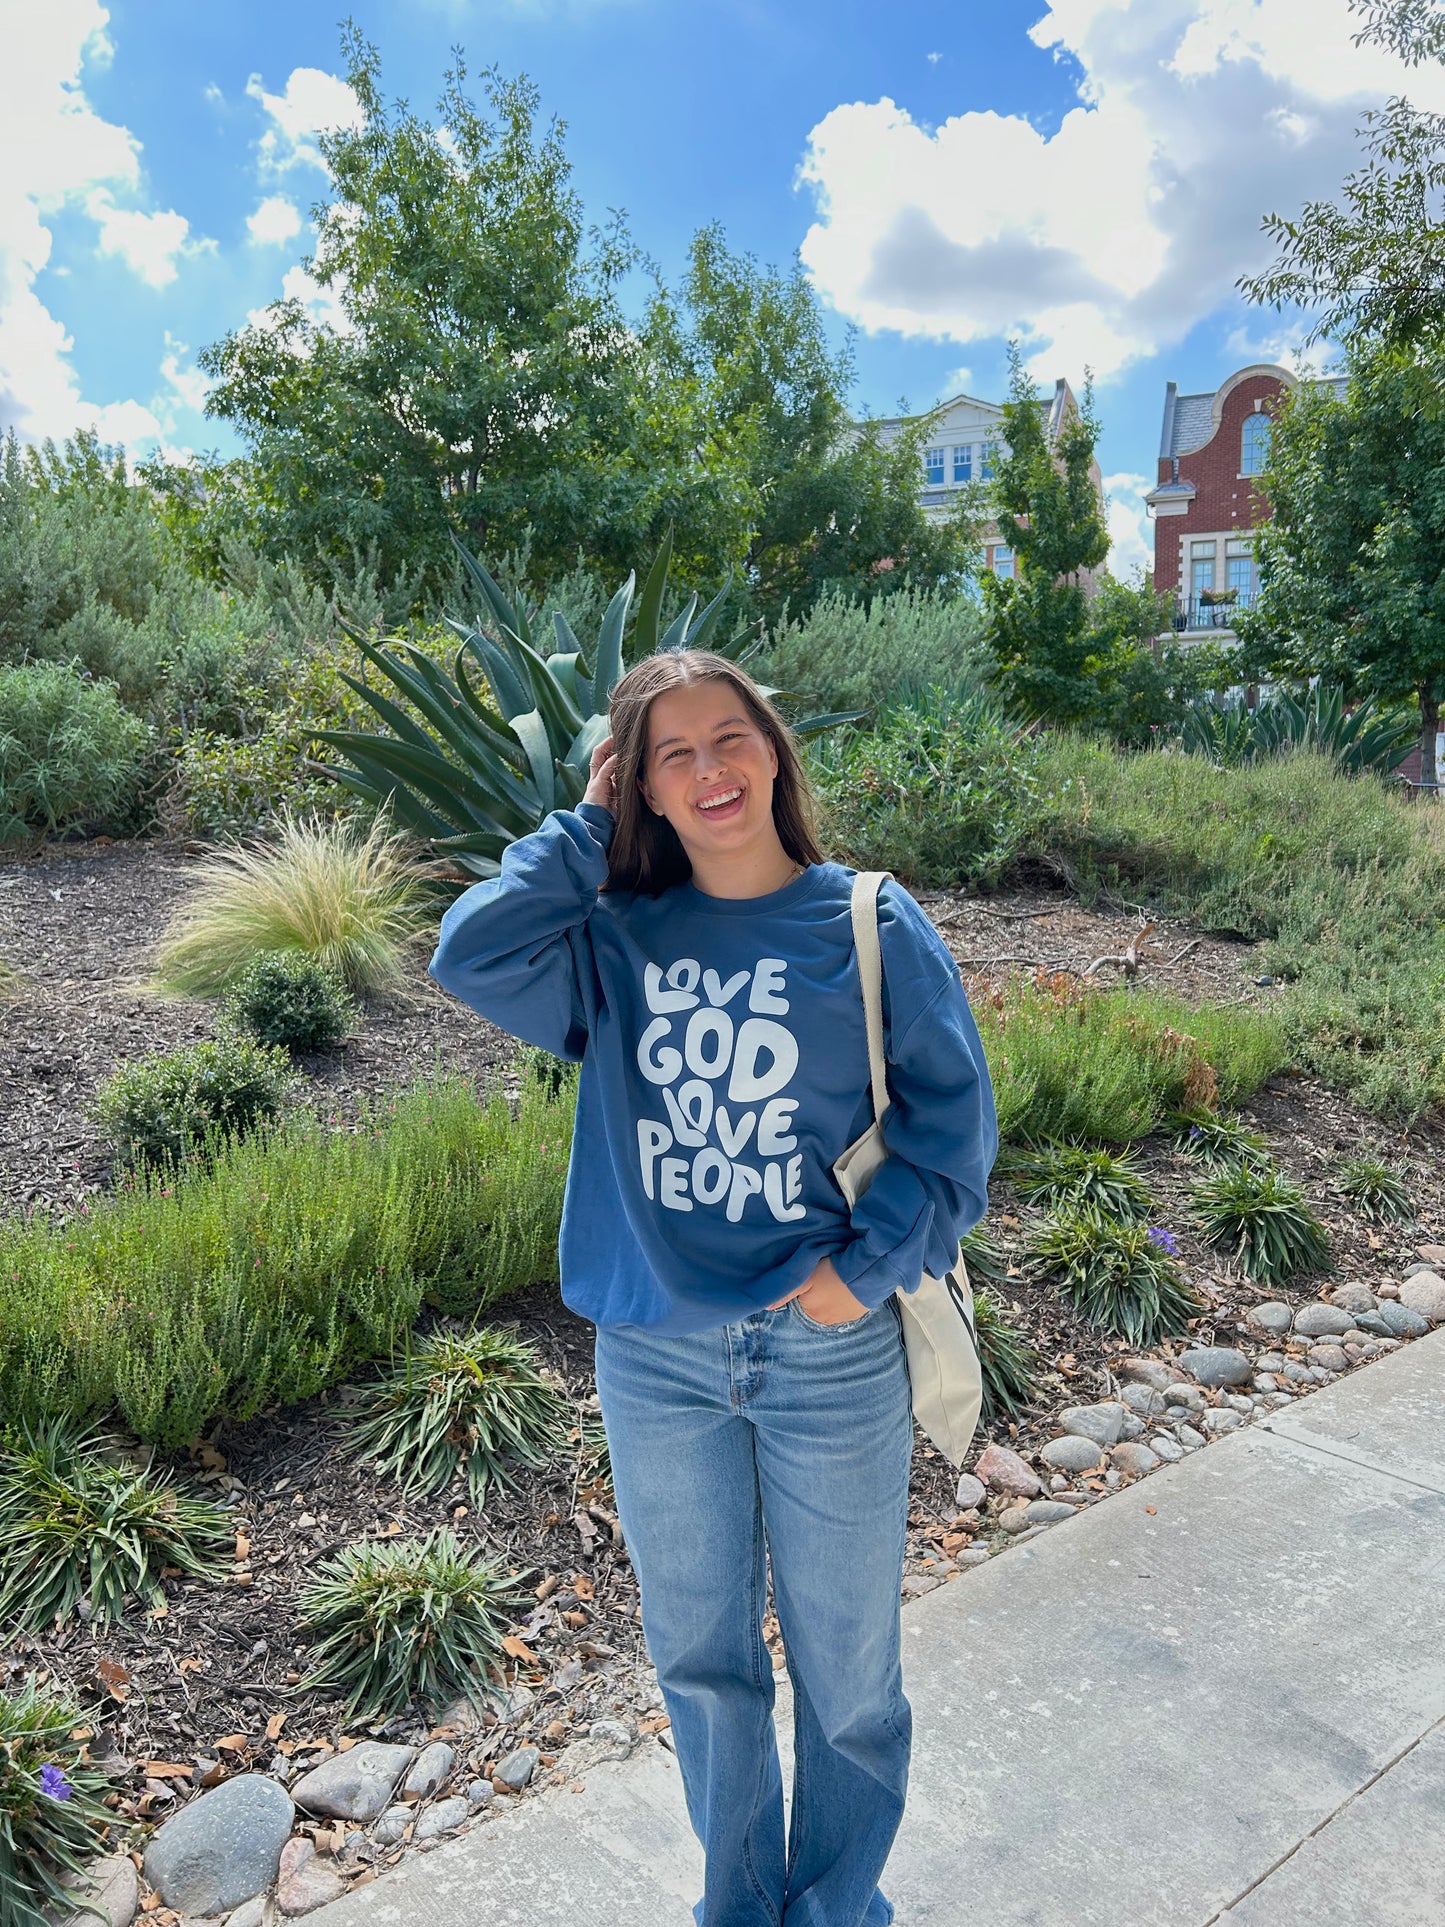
{"x": 1401, "y": 1320}
{"x": 1425, "y": 1293}
{"x": 305, "y": 1882}
{"x": 1216, "y": 1365}
{"x": 1147, "y": 1371}
{"x": 222, "y": 1848}
{"x": 1144, "y": 1401}
{"x": 1331, "y": 1357}
{"x": 1274, "y": 1317}
{"x": 1165, "y": 1447}
{"x": 1005, "y": 1471}
{"x": 1072, "y": 1453}
{"x": 430, "y": 1767}
{"x": 1015, "y": 1518}
{"x": 1319, "y": 1320}
{"x": 1432, "y": 1254}
{"x": 445, "y": 1817}
{"x": 1188, "y": 1437}
{"x": 1353, "y": 1298}
{"x": 251, "y": 1913}
{"x": 111, "y": 1891}
{"x": 1102, "y": 1423}
{"x": 517, "y": 1769}
{"x": 1133, "y": 1457}
{"x": 393, "y": 1824}
{"x": 1048, "y": 1512}
{"x": 1221, "y": 1419}
{"x": 1188, "y": 1398}
{"x": 355, "y": 1785}
{"x": 970, "y": 1492}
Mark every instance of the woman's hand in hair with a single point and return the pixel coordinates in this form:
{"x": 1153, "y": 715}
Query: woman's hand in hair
{"x": 602, "y": 786}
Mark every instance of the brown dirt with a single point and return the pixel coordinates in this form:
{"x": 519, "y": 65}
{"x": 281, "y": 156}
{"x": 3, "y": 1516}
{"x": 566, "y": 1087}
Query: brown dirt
{"x": 223, "y": 1662}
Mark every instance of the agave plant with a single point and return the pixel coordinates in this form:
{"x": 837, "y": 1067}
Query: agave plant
{"x": 501, "y": 765}
{"x": 1363, "y": 738}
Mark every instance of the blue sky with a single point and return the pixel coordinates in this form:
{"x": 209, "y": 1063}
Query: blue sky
{"x": 1087, "y": 175}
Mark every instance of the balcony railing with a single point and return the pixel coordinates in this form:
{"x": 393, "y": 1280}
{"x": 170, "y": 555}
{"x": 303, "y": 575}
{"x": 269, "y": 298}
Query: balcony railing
{"x": 1193, "y": 612}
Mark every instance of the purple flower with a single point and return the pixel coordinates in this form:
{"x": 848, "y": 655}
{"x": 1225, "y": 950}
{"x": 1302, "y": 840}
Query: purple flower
{"x": 54, "y": 1782}
{"x": 1195, "y": 1132}
{"x": 1165, "y": 1241}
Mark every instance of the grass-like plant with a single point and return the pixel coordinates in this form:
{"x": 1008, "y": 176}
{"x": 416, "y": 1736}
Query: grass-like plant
{"x": 291, "y": 999}
{"x": 1218, "y": 1142}
{"x": 471, "y": 1403}
{"x": 161, "y": 1109}
{"x": 11, "y": 982}
{"x": 1058, "y": 1176}
{"x": 267, "y": 1274}
{"x": 406, "y": 1619}
{"x": 340, "y": 893}
{"x": 75, "y": 1526}
{"x": 1374, "y": 1190}
{"x": 984, "y": 1256}
{"x": 1260, "y": 1217}
{"x": 1123, "y": 1278}
{"x": 51, "y": 1812}
{"x": 1009, "y": 1364}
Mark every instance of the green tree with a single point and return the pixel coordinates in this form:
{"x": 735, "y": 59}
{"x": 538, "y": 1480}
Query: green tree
{"x": 486, "y": 382}
{"x": 835, "y": 505}
{"x": 1352, "y": 561}
{"x": 1375, "y": 261}
{"x": 1045, "y": 494}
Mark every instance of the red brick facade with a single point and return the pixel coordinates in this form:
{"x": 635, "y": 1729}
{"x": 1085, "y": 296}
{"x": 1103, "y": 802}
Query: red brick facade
{"x": 1224, "y": 500}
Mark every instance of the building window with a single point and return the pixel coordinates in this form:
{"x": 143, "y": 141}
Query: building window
{"x": 1254, "y": 444}
{"x": 963, "y": 463}
{"x": 1239, "y": 571}
{"x": 1201, "y": 570}
{"x": 933, "y": 468}
{"x": 1002, "y": 563}
{"x": 988, "y": 454}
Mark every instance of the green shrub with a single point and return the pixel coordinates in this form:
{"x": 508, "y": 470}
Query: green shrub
{"x": 406, "y": 1620}
{"x": 170, "y": 1106}
{"x": 1228, "y": 733}
{"x": 850, "y": 655}
{"x": 941, "y": 793}
{"x": 268, "y": 1274}
{"x": 1260, "y": 1217}
{"x": 70, "y": 754}
{"x": 1218, "y": 1142}
{"x": 52, "y": 1816}
{"x": 473, "y": 1404}
{"x": 332, "y": 891}
{"x": 1375, "y": 1191}
{"x": 1072, "y": 1062}
{"x": 1121, "y": 1277}
{"x": 290, "y": 999}
{"x": 76, "y": 1527}
{"x": 1059, "y": 1176}
{"x": 1342, "y": 879}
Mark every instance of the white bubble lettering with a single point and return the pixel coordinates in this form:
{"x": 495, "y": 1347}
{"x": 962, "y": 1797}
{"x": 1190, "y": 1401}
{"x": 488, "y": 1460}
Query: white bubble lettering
{"x": 748, "y": 1084}
{"x": 652, "y": 1137}
{"x": 702, "y": 1026}
{"x": 767, "y": 983}
{"x": 775, "y": 1127}
{"x": 664, "y": 1067}
{"x": 711, "y": 1176}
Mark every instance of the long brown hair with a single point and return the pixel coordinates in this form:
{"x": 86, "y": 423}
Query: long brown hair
{"x": 646, "y": 852}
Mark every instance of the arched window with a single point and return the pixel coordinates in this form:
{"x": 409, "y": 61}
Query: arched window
{"x": 1254, "y": 444}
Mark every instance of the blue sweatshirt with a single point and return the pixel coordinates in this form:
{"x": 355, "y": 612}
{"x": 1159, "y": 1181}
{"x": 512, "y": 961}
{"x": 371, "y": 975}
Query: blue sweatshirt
{"x": 724, "y": 1070}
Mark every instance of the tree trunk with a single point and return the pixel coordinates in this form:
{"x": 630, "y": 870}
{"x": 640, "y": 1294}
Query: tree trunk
{"x": 1429, "y": 724}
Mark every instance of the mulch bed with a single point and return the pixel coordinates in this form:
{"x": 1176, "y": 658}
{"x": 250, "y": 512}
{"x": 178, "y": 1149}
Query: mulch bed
{"x": 201, "y": 1690}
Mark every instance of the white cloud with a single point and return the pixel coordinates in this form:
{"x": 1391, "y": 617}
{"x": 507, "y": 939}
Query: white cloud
{"x": 61, "y": 153}
{"x": 1112, "y": 236}
{"x": 322, "y": 304}
{"x": 1131, "y": 533}
{"x": 275, "y": 222}
{"x": 187, "y": 385}
{"x": 312, "y": 102}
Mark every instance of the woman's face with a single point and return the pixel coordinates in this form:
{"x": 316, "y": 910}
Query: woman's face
{"x": 708, "y": 768}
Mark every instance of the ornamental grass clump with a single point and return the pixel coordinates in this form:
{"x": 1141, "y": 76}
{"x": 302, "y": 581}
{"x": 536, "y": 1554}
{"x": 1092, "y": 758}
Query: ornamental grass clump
{"x": 1220, "y": 1143}
{"x": 1374, "y": 1191}
{"x": 76, "y": 1528}
{"x": 1123, "y": 1278}
{"x": 339, "y": 893}
{"x": 167, "y": 1107}
{"x": 1261, "y": 1219}
{"x": 403, "y": 1620}
{"x": 290, "y": 999}
{"x": 470, "y": 1405}
{"x": 52, "y": 1819}
{"x": 1060, "y": 1176}
{"x": 1009, "y": 1364}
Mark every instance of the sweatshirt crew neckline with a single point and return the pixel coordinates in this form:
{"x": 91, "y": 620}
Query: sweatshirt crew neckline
{"x": 792, "y": 893}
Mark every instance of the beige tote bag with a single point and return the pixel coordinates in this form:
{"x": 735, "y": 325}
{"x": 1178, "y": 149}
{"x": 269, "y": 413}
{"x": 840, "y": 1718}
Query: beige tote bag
{"x": 938, "y": 1320}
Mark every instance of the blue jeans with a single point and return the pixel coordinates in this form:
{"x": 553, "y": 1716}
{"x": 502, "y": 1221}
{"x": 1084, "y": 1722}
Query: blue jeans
{"x": 779, "y": 1432}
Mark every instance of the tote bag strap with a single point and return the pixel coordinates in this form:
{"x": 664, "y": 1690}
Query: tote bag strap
{"x": 866, "y": 885}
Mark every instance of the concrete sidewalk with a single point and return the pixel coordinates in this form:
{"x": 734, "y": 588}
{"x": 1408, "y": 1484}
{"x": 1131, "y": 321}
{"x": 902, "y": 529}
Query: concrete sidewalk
{"x": 1218, "y": 1696}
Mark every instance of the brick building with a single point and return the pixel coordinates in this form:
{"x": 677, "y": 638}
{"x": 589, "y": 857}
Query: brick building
{"x": 1205, "y": 504}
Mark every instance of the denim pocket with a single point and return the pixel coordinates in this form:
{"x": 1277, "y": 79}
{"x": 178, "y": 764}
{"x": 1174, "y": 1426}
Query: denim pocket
{"x": 816, "y": 1324}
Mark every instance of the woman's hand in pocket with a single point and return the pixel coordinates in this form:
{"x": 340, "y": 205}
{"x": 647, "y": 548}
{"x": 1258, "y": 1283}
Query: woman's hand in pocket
{"x": 825, "y": 1298}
